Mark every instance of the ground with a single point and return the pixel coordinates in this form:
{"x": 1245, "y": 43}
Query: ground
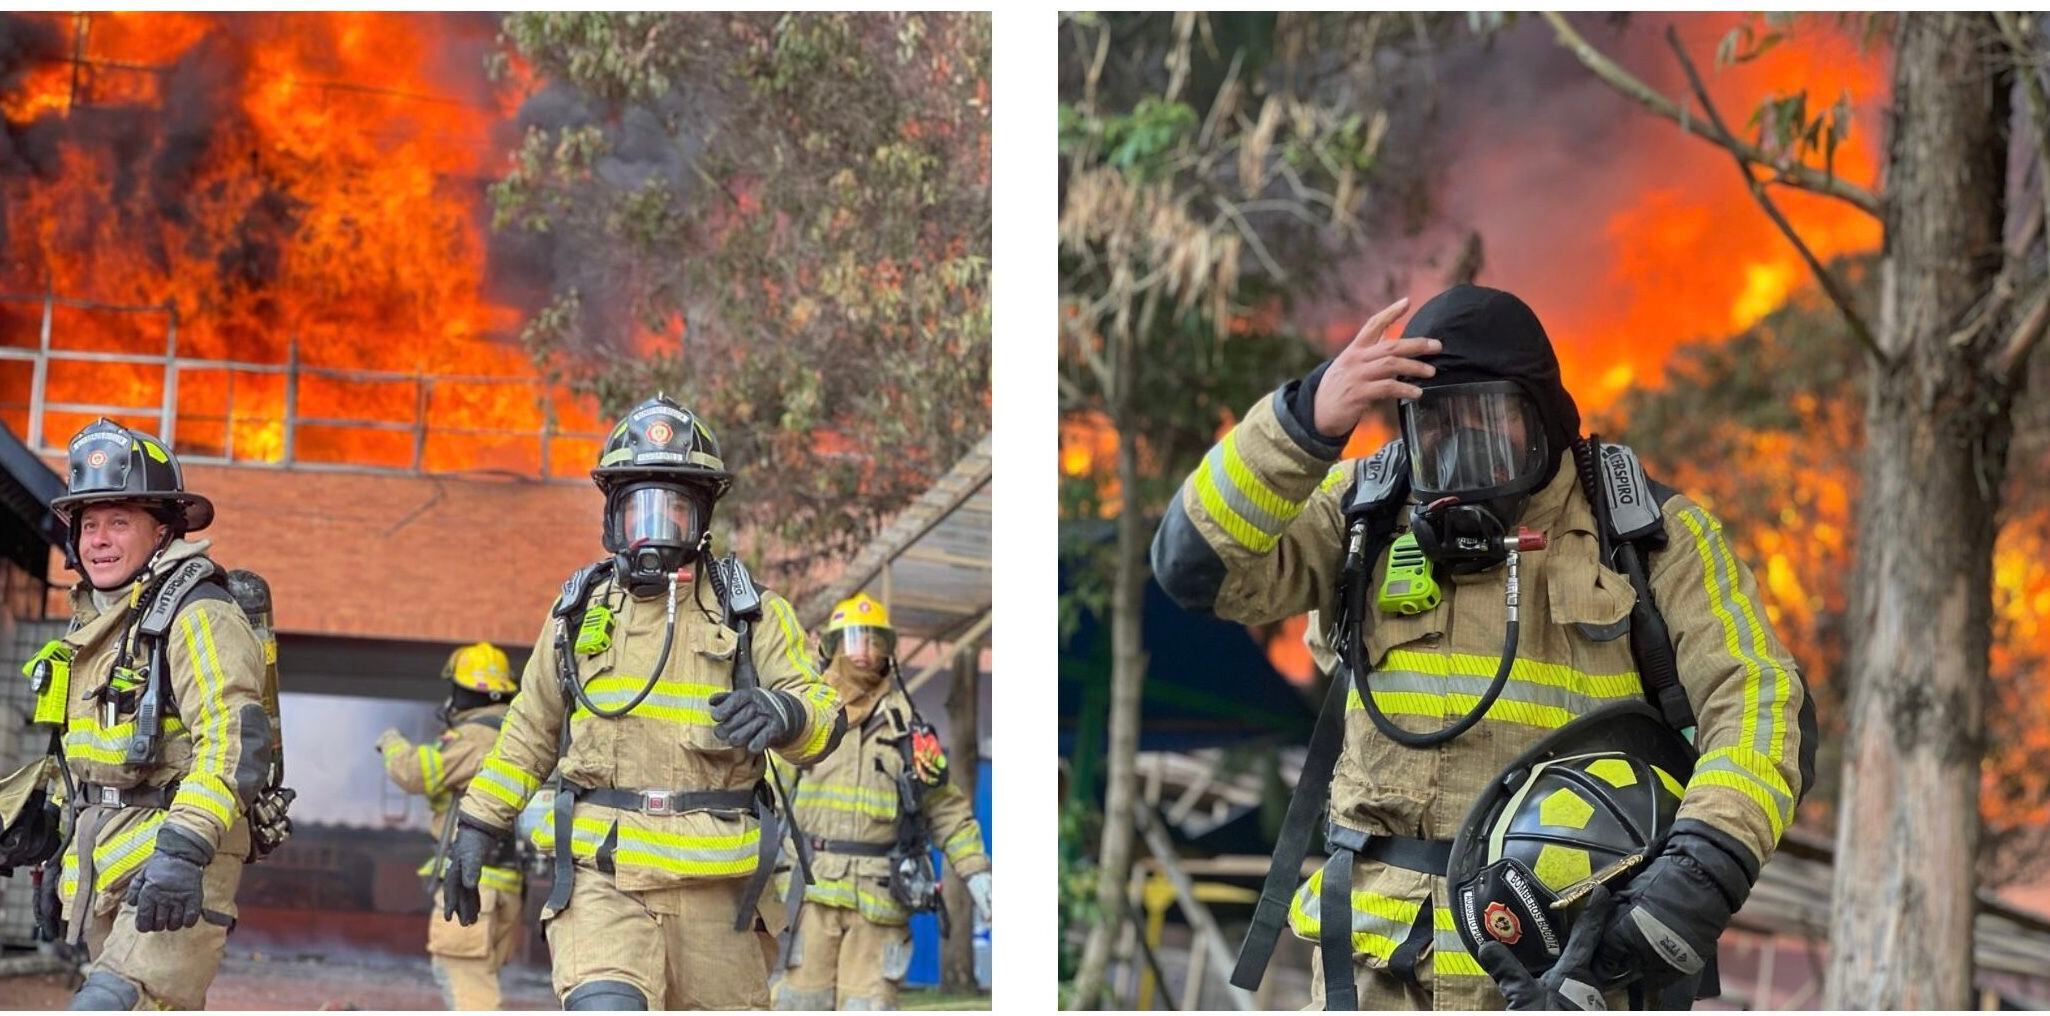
{"x": 254, "y": 981}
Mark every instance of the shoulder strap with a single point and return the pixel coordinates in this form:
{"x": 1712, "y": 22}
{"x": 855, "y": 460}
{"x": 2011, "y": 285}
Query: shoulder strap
{"x": 162, "y": 608}
{"x": 576, "y": 590}
{"x": 1632, "y": 528}
{"x": 195, "y": 578}
{"x": 576, "y": 593}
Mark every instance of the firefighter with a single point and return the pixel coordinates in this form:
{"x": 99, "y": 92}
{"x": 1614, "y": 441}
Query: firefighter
{"x": 659, "y": 681}
{"x": 1470, "y": 594}
{"x": 158, "y": 689}
{"x": 466, "y": 958}
{"x": 853, "y": 944}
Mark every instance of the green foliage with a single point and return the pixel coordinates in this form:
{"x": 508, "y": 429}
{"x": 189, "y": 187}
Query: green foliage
{"x": 782, "y": 220}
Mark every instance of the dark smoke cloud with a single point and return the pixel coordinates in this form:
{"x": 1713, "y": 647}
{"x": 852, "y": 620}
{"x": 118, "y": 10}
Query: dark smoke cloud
{"x": 659, "y": 141}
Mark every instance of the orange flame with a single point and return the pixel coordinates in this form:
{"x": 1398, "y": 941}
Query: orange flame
{"x": 266, "y": 189}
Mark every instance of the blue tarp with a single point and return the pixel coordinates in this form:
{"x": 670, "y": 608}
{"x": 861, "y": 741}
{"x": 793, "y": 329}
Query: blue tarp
{"x": 1208, "y": 682}
{"x": 925, "y": 928}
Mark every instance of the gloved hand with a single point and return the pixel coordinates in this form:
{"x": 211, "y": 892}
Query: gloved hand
{"x": 1569, "y": 984}
{"x": 167, "y": 895}
{"x": 389, "y": 739}
{"x": 978, "y": 891}
{"x": 755, "y": 718}
{"x": 473, "y": 843}
{"x": 1668, "y": 918}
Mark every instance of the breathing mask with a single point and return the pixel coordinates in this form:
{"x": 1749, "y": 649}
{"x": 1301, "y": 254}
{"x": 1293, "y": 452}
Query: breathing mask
{"x": 653, "y": 529}
{"x": 1477, "y": 450}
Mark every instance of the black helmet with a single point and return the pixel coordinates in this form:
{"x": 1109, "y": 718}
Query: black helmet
{"x": 1590, "y": 804}
{"x": 109, "y": 462}
{"x": 660, "y": 440}
{"x": 662, "y": 476}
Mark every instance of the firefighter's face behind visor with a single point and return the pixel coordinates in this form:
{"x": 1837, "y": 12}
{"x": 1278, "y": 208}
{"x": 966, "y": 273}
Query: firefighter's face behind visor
{"x": 1474, "y": 441}
{"x": 866, "y": 647}
{"x": 654, "y": 528}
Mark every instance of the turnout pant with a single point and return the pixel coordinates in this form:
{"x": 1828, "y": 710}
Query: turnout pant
{"x": 844, "y": 961}
{"x": 677, "y": 947}
{"x": 167, "y": 969}
{"x": 467, "y": 960}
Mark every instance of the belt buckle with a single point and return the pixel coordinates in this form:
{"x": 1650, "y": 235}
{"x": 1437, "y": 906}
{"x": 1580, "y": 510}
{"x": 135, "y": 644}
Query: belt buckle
{"x": 110, "y": 797}
{"x": 656, "y": 802}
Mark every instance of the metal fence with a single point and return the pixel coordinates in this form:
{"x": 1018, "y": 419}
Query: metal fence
{"x": 293, "y": 424}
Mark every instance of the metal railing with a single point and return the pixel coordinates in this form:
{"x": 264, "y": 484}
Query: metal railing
{"x": 291, "y": 422}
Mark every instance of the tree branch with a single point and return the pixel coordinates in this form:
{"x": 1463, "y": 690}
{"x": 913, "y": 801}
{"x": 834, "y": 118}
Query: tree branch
{"x": 1799, "y": 175}
{"x": 1837, "y": 294}
{"x": 2014, "y": 353}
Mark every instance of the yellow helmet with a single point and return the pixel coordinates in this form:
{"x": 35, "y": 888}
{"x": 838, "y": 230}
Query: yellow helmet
{"x": 481, "y": 667}
{"x": 856, "y": 620}
{"x": 859, "y": 609}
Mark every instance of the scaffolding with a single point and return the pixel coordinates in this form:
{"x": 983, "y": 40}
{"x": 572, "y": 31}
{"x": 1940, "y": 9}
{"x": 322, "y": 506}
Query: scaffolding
{"x": 292, "y": 423}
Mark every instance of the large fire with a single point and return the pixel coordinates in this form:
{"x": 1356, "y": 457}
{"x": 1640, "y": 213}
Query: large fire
{"x": 271, "y": 191}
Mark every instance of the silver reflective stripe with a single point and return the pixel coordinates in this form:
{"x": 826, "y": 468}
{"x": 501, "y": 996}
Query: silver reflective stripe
{"x": 1242, "y": 502}
{"x": 1713, "y": 761}
{"x": 1513, "y": 690}
{"x": 1310, "y": 901}
{"x": 1668, "y": 942}
{"x": 1583, "y": 995}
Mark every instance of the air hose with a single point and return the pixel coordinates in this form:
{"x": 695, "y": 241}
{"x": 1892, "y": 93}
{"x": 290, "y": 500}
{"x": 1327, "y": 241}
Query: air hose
{"x": 654, "y": 673}
{"x": 1431, "y": 739}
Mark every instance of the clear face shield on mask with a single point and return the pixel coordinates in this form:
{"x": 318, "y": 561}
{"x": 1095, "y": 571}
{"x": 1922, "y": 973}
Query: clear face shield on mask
{"x": 654, "y": 529}
{"x": 1474, "y": 441}
{"x": 864, "y": 643}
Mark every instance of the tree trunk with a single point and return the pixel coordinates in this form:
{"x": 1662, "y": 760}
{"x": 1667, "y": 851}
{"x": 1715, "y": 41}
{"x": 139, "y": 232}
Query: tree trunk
{"x": 1127, "y": 677}
{"x": 1936, "y": 434}
{"x": 957, "y": 955}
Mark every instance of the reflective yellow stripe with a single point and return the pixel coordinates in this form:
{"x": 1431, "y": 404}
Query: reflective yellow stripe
{"x": 1245, "y": 533}
{"x": 715, "y": 856}
{"x": 209, "y": 794}
{"x": 85, "y": 740}
{"x": 213, "y": 709}
{"x": 1546, "y": 695}
{"x": 1379, "y": 923}
{"x": 1715, "y": 557}
{"x": 501, "y": 879}
{"x": 115, "y": 858}
{"x": 1251, "y": 487}
{"x": 793, "y": 637}
{"x": 966, "y": 841}
{"x": 430, "y": 768}
{"x": 1336, "y": 476}
{"x": 679, "y": 702}
{"x": 847, "y": 797}
{"x": 499, "y": 780}
{"x": 846, "y": 894}
{"x": 1752, "y": 775}
{"x": 1449, "y": 957}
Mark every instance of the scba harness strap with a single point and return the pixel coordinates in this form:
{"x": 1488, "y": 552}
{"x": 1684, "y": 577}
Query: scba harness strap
{"x": 1630, "y": 528}
{"x": 740, "y": 599}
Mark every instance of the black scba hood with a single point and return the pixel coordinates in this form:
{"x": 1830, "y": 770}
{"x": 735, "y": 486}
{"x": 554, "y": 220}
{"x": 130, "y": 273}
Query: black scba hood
{"x": 1490, "y": 335}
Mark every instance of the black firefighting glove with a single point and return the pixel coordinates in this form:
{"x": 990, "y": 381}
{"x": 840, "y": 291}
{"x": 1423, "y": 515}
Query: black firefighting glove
{"x": 1668, "y": 918}
{"x": 755, "y": 718}
{"x": 1569, "y": 984}
{"x": 474, "y": 842}
{"x": 167, "y": 895}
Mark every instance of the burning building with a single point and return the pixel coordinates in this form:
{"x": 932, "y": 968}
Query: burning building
{"x": 265, "y": 239}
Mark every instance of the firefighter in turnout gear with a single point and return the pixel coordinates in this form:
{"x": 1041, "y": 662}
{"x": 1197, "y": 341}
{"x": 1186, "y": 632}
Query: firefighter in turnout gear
{"x": 157, "y": 691}
{"x": 1472, "y": 587}
{"x": 660, "y": 679}
{"x": 466, "y": 958}
{"x": 852, "y": 944}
